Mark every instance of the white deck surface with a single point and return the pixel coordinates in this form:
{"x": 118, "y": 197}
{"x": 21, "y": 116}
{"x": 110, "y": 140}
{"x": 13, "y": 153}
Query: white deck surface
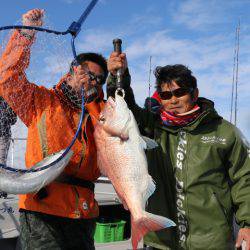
{"x": 9, "y": 217}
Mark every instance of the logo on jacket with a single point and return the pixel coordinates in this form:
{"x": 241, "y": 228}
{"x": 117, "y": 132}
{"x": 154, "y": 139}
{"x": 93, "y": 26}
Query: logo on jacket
{"x": 213, "y": 140}
{"x": 180, "y": 195}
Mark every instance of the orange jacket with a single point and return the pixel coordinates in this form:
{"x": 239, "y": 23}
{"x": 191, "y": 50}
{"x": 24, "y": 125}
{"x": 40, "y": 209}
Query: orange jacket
{"x": 52, "y": 122}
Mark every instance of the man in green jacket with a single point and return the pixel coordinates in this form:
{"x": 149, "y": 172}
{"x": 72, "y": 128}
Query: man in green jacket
{"x": 201, "y": 167}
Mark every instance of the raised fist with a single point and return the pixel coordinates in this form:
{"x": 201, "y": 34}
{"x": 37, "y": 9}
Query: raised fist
{"x": 32, "y": 18}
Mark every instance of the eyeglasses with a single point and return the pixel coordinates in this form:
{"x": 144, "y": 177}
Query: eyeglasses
{"x": 166, "y": 95}
{"x": 93, "y": 77}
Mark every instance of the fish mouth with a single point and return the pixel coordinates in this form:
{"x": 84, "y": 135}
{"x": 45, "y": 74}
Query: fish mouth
{"x": 111, "y": 101}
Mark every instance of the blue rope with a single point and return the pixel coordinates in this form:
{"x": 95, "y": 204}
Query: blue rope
{"x": 73, "y": 29}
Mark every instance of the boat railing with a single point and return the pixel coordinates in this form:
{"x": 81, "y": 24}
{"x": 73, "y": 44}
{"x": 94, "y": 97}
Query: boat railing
{"x": 12, "y": 148}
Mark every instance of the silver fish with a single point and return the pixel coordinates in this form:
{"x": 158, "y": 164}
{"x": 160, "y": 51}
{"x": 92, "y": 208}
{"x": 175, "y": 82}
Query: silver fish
{"x": 23, "y": 183}
{"x": 121, "y": 157}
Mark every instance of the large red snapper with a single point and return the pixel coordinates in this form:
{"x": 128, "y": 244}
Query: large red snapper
{"x": 121, "y": 157}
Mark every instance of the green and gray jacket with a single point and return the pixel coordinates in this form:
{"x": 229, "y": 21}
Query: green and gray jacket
{"x": 202, "y": 174}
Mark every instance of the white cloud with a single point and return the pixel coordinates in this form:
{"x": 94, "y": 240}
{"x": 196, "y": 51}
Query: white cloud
{"x": 201, "y": 15}
{"x": 197, "y": 14}
{"x": 95, "y": 40}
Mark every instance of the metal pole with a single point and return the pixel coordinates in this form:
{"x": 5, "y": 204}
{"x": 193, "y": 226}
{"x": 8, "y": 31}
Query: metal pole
{"x": 233, "y": 81}
{"x": 149, "y": 82}
{"x": 236, "y": 77}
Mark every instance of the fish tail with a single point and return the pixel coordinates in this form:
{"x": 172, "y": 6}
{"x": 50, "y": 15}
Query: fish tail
{"x": 148, "y": 223}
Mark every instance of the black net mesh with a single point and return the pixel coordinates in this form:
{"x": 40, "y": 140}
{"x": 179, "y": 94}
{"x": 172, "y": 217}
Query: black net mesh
{"x": 28, "y": 73}
{"x": 49, "y": 61}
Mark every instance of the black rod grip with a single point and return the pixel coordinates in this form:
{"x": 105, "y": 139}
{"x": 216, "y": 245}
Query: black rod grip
{"x": 117, "y": 45}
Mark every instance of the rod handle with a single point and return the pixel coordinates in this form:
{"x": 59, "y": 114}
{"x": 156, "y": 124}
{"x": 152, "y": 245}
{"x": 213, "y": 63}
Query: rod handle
{"x": 117, "y": 42}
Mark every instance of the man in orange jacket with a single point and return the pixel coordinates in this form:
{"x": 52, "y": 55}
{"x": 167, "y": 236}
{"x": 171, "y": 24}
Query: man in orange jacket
{"x": 61, "y": 215}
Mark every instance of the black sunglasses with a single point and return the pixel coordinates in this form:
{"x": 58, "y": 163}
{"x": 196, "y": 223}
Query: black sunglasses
{"x": 98, "y": 78}
{"x": 166, "y": 95}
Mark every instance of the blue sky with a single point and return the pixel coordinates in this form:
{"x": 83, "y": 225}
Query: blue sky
{"x": 197, "y": 33}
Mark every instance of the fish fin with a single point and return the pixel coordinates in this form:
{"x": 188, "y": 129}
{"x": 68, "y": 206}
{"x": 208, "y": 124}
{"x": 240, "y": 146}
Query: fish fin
{"x": 125, "y": 132}
{"x": 148, "y": 143}
{"x": 124, "y": 136}
{"x": 150, "y": 189}
{"x": 147, "y": 223}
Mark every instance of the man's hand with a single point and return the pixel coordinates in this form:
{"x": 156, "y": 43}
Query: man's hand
{"x": 243, "y": 235}
{"x": 82, "y": 78}
{"x": 32, "y": 18}
{"x": 79, "y": 79}
{"x": 117, "y": 61}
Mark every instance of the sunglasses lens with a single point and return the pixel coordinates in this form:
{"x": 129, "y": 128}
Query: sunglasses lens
{"x": 181, "y": 92}
{"x": 93, "y": 77}
{"x": 165, "y": 95}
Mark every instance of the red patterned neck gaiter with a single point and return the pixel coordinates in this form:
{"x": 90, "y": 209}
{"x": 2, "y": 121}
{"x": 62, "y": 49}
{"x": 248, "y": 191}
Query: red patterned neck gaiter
{"x": 170, "y": 119}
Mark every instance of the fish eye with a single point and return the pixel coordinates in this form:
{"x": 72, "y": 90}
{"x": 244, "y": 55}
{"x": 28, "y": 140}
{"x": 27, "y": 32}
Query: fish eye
{"x": 102, "y": 119}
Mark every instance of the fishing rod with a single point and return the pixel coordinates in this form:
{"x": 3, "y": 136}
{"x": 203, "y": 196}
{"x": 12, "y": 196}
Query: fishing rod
{"x": 149, "y": 81}
{"x": 74, "y": 30}
{"x": 236, "y": 77}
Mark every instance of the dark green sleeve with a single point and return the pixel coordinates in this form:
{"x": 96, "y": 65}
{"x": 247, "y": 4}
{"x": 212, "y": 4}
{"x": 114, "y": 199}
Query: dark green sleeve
{"x": 144, "y": 118}
{"x": 239, "y": 173}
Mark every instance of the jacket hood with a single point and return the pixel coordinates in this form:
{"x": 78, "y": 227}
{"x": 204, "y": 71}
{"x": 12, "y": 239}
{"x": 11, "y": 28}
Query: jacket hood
{"x": 208, "y": 113}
